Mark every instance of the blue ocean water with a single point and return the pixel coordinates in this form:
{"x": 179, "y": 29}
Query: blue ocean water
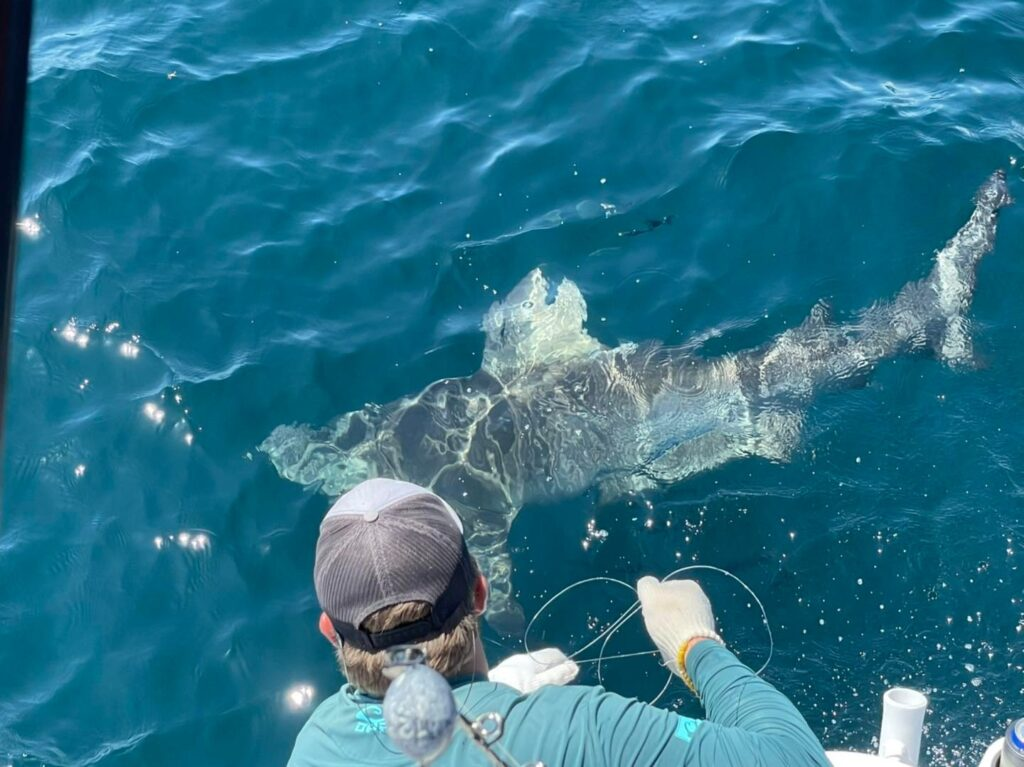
{"x": 238, "y": 215}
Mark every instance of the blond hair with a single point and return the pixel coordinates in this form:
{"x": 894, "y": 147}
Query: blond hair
{"x": 447, "y": 654}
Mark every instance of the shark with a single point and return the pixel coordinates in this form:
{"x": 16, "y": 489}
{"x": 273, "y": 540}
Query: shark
{"x": 553, "y": 411}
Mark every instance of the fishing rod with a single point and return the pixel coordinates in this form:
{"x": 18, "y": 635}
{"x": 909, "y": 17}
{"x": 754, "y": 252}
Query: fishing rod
{"x": 15, "y": 31}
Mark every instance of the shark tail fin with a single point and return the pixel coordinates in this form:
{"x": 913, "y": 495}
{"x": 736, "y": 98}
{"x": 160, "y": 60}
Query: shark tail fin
{"x": 994, "y": 193}
{"x": 954, "y": 274}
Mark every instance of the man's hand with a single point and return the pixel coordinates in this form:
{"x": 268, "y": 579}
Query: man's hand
{"x": 675, "y": 613}
{"x": 528, "y": 672}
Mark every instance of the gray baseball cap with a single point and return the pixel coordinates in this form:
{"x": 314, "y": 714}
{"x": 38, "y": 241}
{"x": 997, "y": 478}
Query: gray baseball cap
{"x": 385, "y": 542}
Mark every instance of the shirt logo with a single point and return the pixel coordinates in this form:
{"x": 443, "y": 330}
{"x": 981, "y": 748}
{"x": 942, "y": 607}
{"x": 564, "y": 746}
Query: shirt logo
{"x": 370, "y": 719}
{"x": 686, "y": 727}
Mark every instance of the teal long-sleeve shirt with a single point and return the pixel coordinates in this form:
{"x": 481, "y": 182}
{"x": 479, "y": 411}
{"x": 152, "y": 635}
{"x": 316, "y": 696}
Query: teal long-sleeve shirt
{"x": 749, "y": 724}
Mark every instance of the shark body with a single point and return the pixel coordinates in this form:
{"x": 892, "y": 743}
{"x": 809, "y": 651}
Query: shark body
{"x": 553, "y": 412}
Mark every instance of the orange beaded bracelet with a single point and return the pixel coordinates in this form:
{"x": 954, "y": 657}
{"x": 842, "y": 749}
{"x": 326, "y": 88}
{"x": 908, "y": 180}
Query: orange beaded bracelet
{"x": 681, "y": 660}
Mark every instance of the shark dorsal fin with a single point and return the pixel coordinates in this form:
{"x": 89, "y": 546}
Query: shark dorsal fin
{"x": 533, "y": 328}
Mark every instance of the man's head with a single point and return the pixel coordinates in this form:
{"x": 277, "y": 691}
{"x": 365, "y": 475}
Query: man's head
{"x": 392, "y": 568}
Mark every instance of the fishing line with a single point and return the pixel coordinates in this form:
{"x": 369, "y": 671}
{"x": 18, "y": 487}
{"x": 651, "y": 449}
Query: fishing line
{"x": 604, "y": 637}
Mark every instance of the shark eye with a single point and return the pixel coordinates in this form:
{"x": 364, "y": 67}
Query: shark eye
{"x": 527, "y": 304}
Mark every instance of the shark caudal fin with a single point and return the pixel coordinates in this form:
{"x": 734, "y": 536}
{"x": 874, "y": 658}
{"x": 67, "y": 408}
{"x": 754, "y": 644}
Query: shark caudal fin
{"x": 994, "y": 193}
{"x": 955, "y": 272}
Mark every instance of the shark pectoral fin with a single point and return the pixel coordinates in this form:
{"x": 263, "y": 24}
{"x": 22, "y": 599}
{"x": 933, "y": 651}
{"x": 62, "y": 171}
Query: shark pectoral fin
{"x": 693, "y": 456}
{"x": 301, "y": 455}
{"x": 778, "y": 433}
{"x": 612, "y": 487}
{"x": 486, "y": 532}
{"x": 331, "y": 459}
{"x": 532, "y": 328}
{"x": 504, "y": 613}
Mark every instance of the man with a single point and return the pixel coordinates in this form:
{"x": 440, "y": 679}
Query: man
{"x": 392, "y": 568}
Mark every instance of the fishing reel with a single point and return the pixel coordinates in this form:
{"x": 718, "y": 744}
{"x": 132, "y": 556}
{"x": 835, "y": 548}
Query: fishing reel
{"x": 422, "y": 716}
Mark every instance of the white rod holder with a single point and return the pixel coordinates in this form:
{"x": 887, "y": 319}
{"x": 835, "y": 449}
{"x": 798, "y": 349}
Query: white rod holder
{"x": 902, "y": 722}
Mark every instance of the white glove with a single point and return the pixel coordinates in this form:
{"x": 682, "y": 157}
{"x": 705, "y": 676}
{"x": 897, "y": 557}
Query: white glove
{"x": 528, "y": 672}
{"x": 674, "y": 613}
